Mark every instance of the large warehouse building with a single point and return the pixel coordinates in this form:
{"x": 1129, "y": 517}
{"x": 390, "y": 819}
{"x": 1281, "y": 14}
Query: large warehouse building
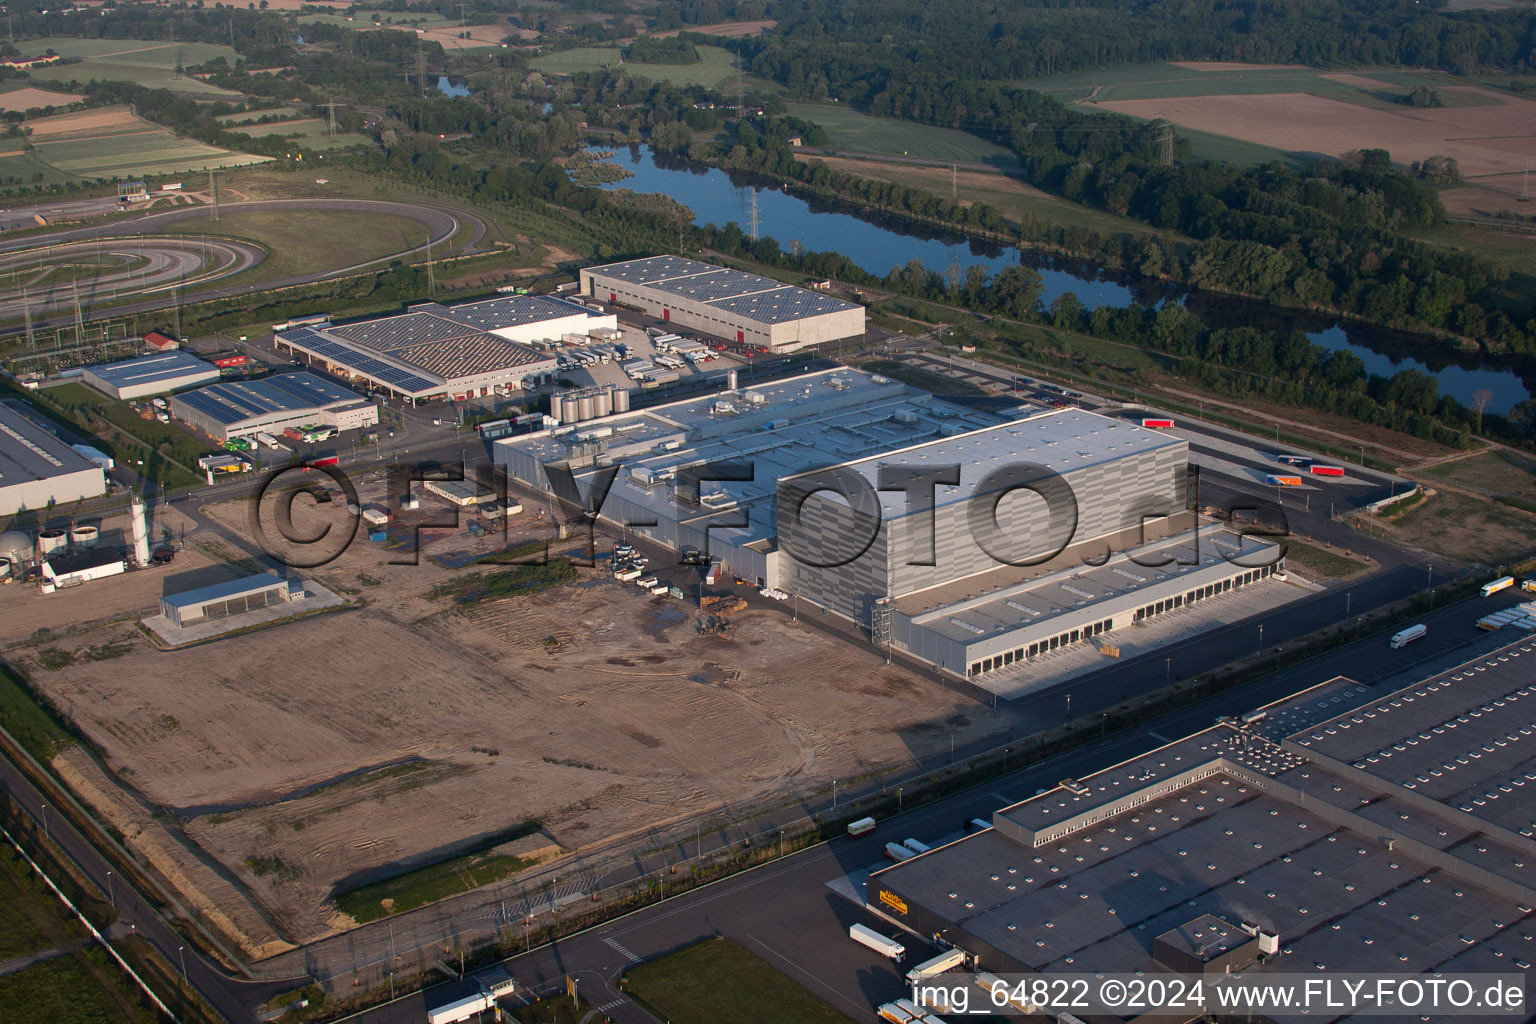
{"x": 730, "y": 304}
{"x": 38, "y": 469}
{"x": 150, "y": 375}
{"x": 916, "y": 567}
{"x": 221, "y": 600}
{"x": 271, "y": 404}
{"x": 1339, "y": 831}
{"x": 436, "y": 351}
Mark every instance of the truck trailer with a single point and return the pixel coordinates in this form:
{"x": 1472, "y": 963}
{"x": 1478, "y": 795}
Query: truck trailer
{"x": 862, "y": 827}
{"x": 464, "y": 1009}
{"x": 946, "y": 961}
{"x": 879, "y": 943}
{"x": 1502, "y": 583}
{"x": 897, "y": 852}
{"x": 1408, "y": 636}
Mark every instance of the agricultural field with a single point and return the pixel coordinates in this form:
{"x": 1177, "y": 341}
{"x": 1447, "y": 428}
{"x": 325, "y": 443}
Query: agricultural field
{"x": 613, "y": 712}
{"x": 21, "y": 97}
{"x": 1254, "y": 113}
{"x": 430, "y": 26}
{"x": 84, "y": 987}
{"x": 1001, "y": 191}
{"x": 850, "y": 129}
{"x": 1491, "y": 473}
{"x": 111, "y": 142}
{"x": 725, "y": 29}
{"x": 717, "y": 979}
{"x": 152, "y": 65}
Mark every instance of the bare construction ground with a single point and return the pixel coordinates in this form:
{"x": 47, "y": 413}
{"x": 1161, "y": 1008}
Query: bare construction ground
{"x": 332, "y": 748}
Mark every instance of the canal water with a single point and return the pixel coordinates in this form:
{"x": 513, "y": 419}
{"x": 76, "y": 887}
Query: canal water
{"x": 877, "y": 243}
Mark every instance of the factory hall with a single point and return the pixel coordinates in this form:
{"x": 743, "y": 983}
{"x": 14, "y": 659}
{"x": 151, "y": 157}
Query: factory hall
{"x": 982, "y": 541}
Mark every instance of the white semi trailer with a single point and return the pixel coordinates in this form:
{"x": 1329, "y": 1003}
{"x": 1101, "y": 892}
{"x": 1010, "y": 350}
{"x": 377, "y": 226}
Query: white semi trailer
{"x": 877, "y": 942}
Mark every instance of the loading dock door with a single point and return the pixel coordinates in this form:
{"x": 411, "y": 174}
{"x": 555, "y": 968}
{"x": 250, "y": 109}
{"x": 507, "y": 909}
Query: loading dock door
{"x": 741, "y": 337}
{"x": 666, "y": 314}
{"x": 612, "y": 297}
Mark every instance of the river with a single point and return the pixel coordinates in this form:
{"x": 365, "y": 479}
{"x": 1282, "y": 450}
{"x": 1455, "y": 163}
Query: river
{"x": 877, "y": 243}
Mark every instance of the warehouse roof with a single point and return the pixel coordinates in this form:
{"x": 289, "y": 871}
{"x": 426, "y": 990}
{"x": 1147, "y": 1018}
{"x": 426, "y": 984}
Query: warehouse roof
{"x": 236, "y": 401}
{"x": 1466, "y": 738}
{"x": 421, "y": 350}
{"x": 1230, "y": 823}
{"x": 166, "y": 368}
{"x": 29, "y": 451}
{"x": 733, "y": 291}
{"x": 225, "y": 590}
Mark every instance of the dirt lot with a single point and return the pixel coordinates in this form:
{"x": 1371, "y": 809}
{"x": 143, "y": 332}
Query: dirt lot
{"x": 1221, "y": 65}
{"x": 1462, "y": 528}
{"x": 594, "y": 708}
{"x": 1496, "y": 138}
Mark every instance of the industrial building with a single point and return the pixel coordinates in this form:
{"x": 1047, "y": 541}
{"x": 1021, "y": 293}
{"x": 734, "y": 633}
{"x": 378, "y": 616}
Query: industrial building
{"x": 150, "y": 375}
{"x": 436, "y": 351}
{"x": 1338, "y": 830}
{"x": 271, "y": 404}
{"x": 39, "y": 469}
{"x": 914, "y": 567}
{"x": 71, "y": 568}
{"x": 221, "y": 600}
{"x": 730, "y": 304}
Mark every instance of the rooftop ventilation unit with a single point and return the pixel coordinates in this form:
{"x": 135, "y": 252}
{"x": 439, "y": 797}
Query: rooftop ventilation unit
{"x": 905, "y": 417}
{"x": 966, "y": 625}
{"x": 755, "y": 398}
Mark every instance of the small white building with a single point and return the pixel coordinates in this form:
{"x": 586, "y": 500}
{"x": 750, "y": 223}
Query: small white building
{"x": 69, "y": 570}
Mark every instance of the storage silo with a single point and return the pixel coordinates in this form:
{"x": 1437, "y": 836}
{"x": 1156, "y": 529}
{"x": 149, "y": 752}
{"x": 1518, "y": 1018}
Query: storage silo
{"x": 602, "y": 403}
{"x": 620, "y": 400}
{"x": 586, "y": 407}
{"x": 50, "y": 541}
{"x": 83, "y": 536}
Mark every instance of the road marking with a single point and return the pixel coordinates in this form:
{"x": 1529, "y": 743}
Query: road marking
{"x": 1160, "y": 737}
{"x": 623, "y": 951}
{"x": 1002, "y": 799}
{"x": 611, "y": 1006}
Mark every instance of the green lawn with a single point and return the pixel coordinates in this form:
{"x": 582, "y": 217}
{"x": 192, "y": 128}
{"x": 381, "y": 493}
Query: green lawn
{"x": 83, "y": 988}
{"x": 850, "y": 129}
{"x": 23, "y": 169}
{"x": 1158, "y": 80}
{"x": 1491, "y": 473}
{"x": 387, "y": 19}
{"x": 142, "y": 439}
{"x": 247, "y": 116}
{"x": 718, "y": 980}
{"x": 1319, "y": 564}
{"x": 150, "y": 64}
{"x": 132, "y": 152}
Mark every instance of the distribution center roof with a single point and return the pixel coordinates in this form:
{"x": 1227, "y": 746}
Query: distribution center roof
{"x": 236, "y": 401}
{"x": 29, "y": 452}
{"x": 167, "y": 367}
{"x": 733, "y": 291}
{"x": 429, "y": 345}
{"x": 1237, "y": 821}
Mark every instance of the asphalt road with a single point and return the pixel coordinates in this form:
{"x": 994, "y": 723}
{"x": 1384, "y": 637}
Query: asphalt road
{"x": 786, "y": 914}
{"x": 443, "y": 223}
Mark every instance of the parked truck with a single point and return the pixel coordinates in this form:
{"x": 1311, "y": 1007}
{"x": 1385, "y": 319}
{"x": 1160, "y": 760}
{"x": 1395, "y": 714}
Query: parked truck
{"x": 862, "y": 827}
{"x": 875, "y": 941}
{"x": 1408, "y": 636}
{"x": 915, "y": 846}
{"x": 463, "y": 1009}
{"x": 946, "y": 961}
{"x": 897, "y": 852}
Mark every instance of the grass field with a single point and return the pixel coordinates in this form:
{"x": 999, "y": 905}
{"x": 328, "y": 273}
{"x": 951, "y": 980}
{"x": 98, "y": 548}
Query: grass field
{"x": 718, "y": 980}
{"x": 716, "y": 65}
{"x": 1318, "y": 564}
{"x": 318, "y": 240}
{"x": 150, "y": 64}
{"x": 1462, "y": 528}
{"x": 1158, "y": 80}
{"x": 1008, "y": 194}
{"x": 83, "y": 988}
{"x": 850, "y": 129}
{"x": 426, "y": 885}
{"x": 31, "y": 919}
{"x": 141, "y": 438}
{"x": 1491, "y": 473}
{"x": 247, "y": 116}
{"x": 30, "y": 724}
{"x": 1515, "y": 249}
{"x": 110, "y": 142}
{"x": 25, "y": 168}
{"x": 308, "y": 134}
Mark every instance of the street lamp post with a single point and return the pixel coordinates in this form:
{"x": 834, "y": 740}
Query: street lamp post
{"x": 45, "y": 821}
{"x": 111, "y": 896}
{"x": 1261, "y": 638}
{"x": 898, "y": 799}
{"x": 183, "y": 951}
{"x": 1069, "y": 707}
{"x": 1168, "y": 671}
